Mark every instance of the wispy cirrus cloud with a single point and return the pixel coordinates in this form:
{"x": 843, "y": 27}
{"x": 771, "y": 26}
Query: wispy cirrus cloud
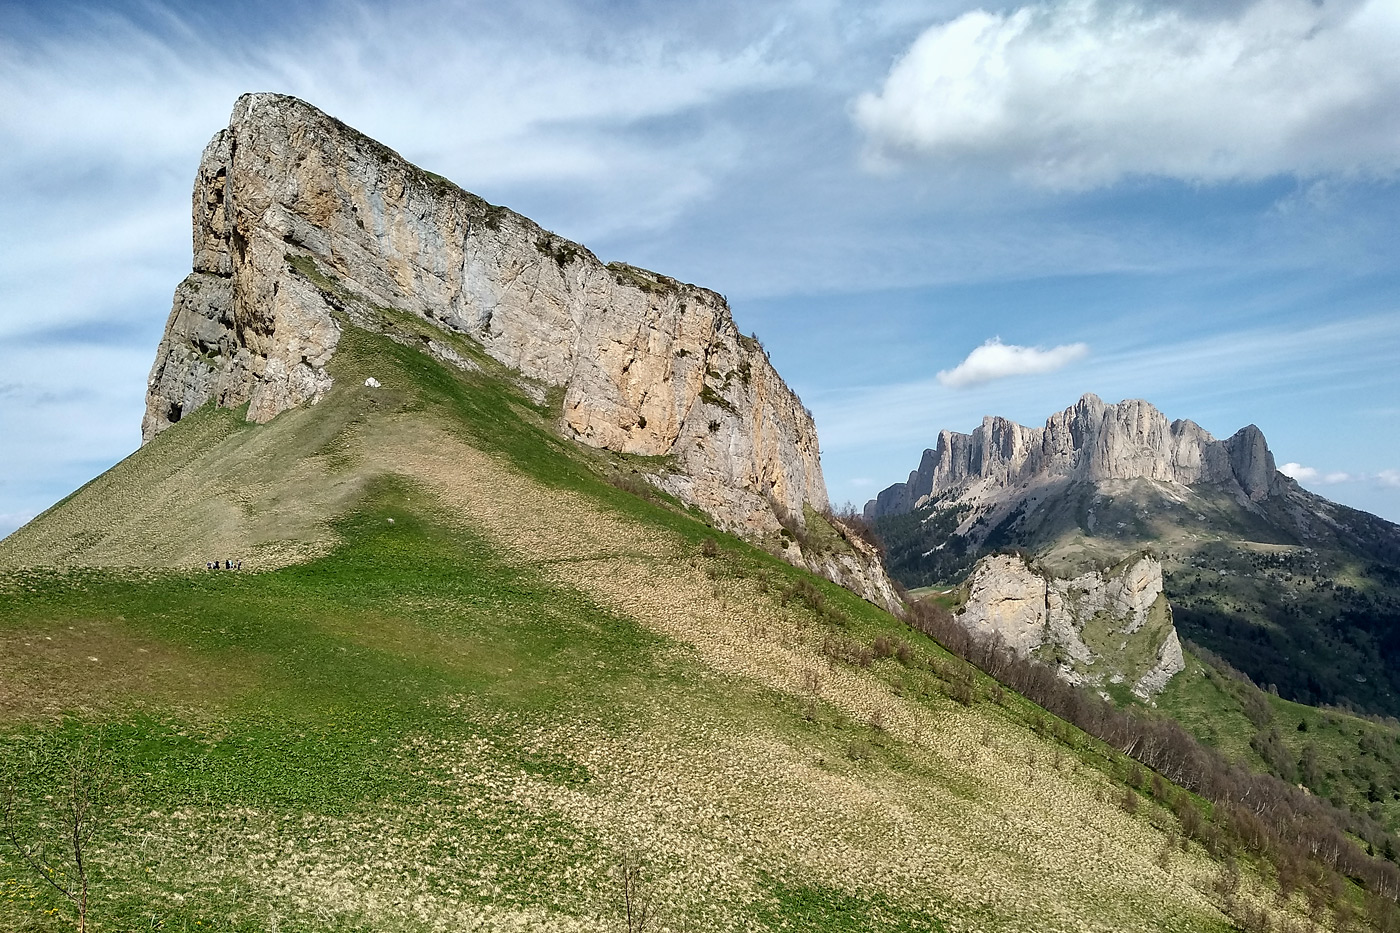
{"x": 997, "y": 360}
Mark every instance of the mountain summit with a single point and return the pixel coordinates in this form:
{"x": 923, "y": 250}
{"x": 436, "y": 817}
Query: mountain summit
{"x": 1089, "y": 441}
{"x": 303, "y": 225}
{"x": 1289, "y": 587}
{"x": 647, "y": 365}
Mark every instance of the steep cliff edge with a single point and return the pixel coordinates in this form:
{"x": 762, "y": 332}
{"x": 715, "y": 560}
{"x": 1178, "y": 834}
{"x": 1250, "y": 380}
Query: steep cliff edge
{"x": 1100, "y": 627}
{"x": 647, "y": 365}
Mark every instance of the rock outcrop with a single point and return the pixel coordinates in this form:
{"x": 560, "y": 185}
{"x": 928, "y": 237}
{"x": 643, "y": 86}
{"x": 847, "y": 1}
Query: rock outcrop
{"x": 647, "y": 365}
{"x": 1089, "y": 441}
{"x": 1113, "y": 626}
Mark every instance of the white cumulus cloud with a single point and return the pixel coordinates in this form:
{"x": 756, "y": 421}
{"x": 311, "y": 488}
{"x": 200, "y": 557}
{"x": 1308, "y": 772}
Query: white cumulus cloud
{"x": 1078, "y": 94}
{"x": 1307, "y": 474}
{"x": 997, "y": 360}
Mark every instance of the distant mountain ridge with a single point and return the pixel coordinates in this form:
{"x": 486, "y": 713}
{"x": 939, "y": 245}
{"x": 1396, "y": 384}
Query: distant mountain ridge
{"x": 1291, "y": 588}
{"x": 1089, "y": 441}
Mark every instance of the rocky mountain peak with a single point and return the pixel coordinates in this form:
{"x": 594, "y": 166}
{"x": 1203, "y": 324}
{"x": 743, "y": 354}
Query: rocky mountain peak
{"x": 300, "y": 220}
{"x": 1089, "y": 441}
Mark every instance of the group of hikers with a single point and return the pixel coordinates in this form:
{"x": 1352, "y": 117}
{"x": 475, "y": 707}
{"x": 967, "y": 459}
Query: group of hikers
{"x": 223, "y": 565}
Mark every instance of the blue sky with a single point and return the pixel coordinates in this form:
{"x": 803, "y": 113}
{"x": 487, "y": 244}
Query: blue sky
{"x": 1192, "y": 202}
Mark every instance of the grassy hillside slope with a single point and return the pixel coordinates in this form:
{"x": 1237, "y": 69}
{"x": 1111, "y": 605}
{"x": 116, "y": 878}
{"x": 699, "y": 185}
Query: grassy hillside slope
{"x": 464, "y": 678}
{"x": 1351, "y": 760}
{"x": 1312, "y": 622}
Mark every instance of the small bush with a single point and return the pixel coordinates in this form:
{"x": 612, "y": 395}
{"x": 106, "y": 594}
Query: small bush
{"x": 960, "y": 690}
{"x": 634, "y": 484}
{"x": 883, "y": 647}
{"x": 849, "y": 520}
{"x": 860, "y": 750}
{"x": 841, "y": 648}
{"x": 1159, "y": 789}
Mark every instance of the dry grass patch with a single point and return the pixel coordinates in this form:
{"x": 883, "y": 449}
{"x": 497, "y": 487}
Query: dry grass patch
{"x": 98, "y": 666}
{"x": 1033, "y": 829}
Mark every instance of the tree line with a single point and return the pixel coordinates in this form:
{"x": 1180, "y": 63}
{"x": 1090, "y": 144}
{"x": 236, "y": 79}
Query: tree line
{"x": 1260, "y": 813}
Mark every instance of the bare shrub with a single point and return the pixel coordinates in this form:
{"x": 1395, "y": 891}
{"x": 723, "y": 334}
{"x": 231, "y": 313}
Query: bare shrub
{"x": 1165, "y": 853}
{"x": 860, "y": 750}
{"x": 1252, "y": 919}
{"x": 840, "y": 648}
{"x": 883, "y": 647}
{"x": 1190, "y": 818}
{"x": 1160, "y": 790}
{"x": 1226, "y": 884}
{"x": 846, "y": 519}
{"x": 633, "y": 483}
{"x": 806, "y": 593}
{"x": 961, "y": 691}
{"x": 52, "y": 802}
{"x": 636, "y": 901}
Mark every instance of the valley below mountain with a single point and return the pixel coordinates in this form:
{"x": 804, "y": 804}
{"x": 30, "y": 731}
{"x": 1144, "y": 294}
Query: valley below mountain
{"x": 463, "y": 581}
{"x": 1292, "y": 589}
{"x": 1282, "y": 591}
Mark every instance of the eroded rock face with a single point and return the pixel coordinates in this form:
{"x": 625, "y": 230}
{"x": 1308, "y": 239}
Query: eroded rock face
{"x": 860, "y": 570}
{"x": 1113, "y": 626}
{"x": 1089, "y": 441}
{"x": 648, "y": 365}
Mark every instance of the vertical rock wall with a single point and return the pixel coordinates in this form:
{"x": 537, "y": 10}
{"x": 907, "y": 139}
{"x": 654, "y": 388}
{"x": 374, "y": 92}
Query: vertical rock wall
{"x": 1090, "y": 441}
{"x": 1102, "y": 626}
{"x": 648, "y": 365}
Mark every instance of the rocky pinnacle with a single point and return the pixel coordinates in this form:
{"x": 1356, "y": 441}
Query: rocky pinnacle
{"x": 1090, "y": 441}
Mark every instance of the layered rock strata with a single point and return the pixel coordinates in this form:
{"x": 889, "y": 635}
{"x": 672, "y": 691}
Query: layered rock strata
{"x": 647, "y": 365}
{"x": 1102, "y": 626}
{"x": 1089, "y": 441}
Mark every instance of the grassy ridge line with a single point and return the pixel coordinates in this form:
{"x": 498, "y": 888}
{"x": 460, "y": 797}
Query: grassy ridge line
{"x": 408, "y": 687}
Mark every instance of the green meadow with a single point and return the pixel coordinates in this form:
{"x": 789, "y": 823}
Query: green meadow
{"x": 475, "y": 677}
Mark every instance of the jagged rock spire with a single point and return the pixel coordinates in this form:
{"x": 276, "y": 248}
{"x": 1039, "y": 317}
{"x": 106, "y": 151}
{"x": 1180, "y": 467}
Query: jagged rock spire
{"x": 1092, "y": 441}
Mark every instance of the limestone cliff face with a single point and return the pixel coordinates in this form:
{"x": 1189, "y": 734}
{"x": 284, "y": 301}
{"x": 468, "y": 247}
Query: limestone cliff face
{"x": 648, "y": 365}
{"x": 1089, "y": 441}
{"x": 1113, "y": 625}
